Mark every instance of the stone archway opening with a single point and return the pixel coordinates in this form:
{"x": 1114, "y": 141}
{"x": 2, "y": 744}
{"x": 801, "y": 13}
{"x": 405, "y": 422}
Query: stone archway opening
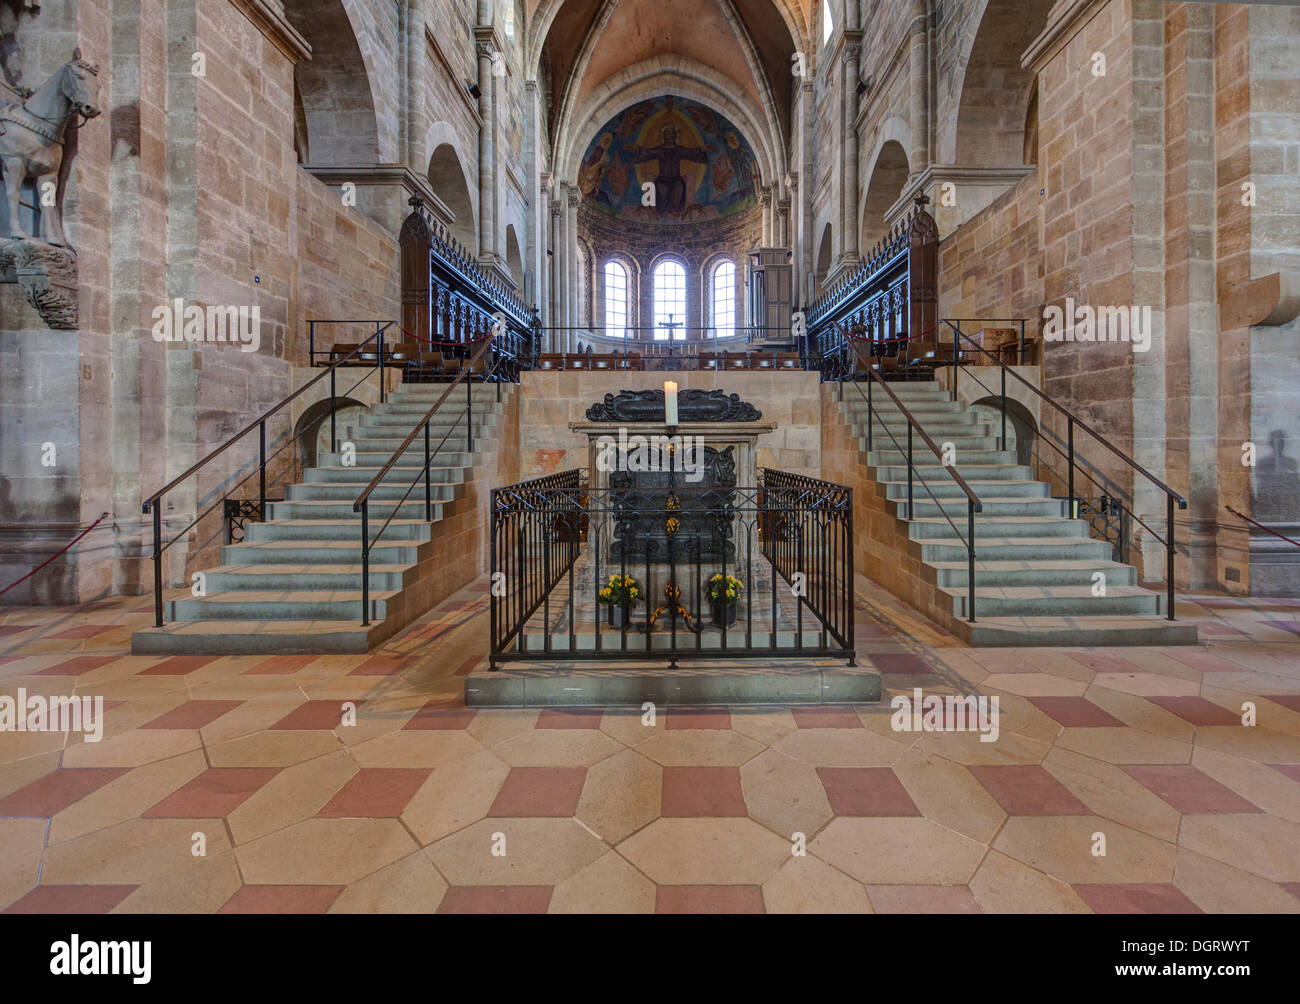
{"x": 888, "y": 178}
{"x": 449, "y": 183}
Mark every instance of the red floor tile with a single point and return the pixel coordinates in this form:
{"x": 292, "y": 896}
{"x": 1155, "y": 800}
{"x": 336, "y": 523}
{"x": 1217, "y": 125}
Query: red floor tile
{"x": 1137, "y": 898}
{"x": 215, "y": 793}
{"x": 697, "y": 718}
{"x": 1197, "y": 710}
{"x": 702, "y": 791}
{"x": 10, "y": 629}
{"x": 437, "y": 715}
{"x": 75, "y": 667}
{"x": 1188, "y": 789}
{"x": 866, "y": 791}
{"x": 540, "y": 791}
{"x": 72, "y": 899}
{"x": 1206, "y": 662}
{"x": 869, "y": 630}
{"x": 282, "y": 899}
{"x": 1291, "y": 770}
{"x": 1216, "y": 628}
{"x": 1290, "y": 701}
{"x": 1075, "y": 712}
{"x": 377, "y": 792}
{"x": 469, "y": 665}
{"x": 320, "y": 716}
{"x": 709, "y": 899}
{"x": 51, "y": 794}
{"x": 192, "y": 715}
{"x": 570, "y": 718}
{"x": 1292, "y": 887}
{"x": 827, "y": 717}
{"x": 178, "y": 665}
{"x": 922, "y": 899}
{"x": 496, "y": 899}
{"x": 1028, "y": 790}
{"x": 901, "y": 664}
{"x": 280, "y": 665}
{"x": 383, "y": 665}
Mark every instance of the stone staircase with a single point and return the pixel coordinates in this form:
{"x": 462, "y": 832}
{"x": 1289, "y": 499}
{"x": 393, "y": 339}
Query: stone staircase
{"x": 1035, "y": 566}
{"x": 294, "y": 584}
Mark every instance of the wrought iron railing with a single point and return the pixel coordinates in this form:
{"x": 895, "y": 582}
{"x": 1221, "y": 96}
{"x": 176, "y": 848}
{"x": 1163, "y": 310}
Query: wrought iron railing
{"x": 784, "y": 549}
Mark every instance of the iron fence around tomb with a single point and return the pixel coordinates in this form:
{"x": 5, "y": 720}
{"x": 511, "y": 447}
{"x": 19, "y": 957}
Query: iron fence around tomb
{"x": 784, "y": 547}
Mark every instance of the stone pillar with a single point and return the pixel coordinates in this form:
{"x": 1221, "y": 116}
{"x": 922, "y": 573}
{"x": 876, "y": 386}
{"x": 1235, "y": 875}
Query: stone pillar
{"x": 487, "y": 167}
{"x": 537, "y": 184}
{"x": 572, "y": 198}
{"x": 918, "y": 157}
{"x": 417, "y": 157}
{"x": 849, "y": 175}
{"x": 765, "y": 200}
{"x": 807, "y": 247}
{"x": 559, "y": 285}
{"x": 783, "y": 223}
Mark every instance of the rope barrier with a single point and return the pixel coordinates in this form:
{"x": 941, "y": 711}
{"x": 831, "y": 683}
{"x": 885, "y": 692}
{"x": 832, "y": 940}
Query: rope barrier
{"x": 71, "y": 543}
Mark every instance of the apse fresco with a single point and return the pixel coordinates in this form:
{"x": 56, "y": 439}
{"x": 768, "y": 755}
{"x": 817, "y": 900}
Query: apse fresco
{"x": 699, "y": 164}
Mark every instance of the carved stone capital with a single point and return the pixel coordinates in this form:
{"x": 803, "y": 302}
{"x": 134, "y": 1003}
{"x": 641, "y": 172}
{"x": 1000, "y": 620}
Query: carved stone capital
{"x": 47, "y": 275}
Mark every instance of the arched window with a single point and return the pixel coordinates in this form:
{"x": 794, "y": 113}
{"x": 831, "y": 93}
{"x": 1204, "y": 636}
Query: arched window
{"x": 724, "y": 299}
{"x": 510, "y": 19}
{"x": 828, "y": 22}
{"x": 615, "y": 300}
{"x": 670, "y": 301}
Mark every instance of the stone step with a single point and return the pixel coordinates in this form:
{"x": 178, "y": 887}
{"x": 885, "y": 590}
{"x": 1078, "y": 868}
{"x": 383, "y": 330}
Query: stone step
{"x": 948, "y": 488}
{"x": 936, "y": 474}
{"x": 374, "y": 455}
{"x": 344, "y": 529}
{"x": 386, "y": 490}
{"x": 385, "y": 552}
{"x": 999, "y": 527}
{"x": 993, "y": 505}
{"x": 980, "y": 449}
{"x": 1060, "y": 572}
{"x": 408, "y": 420}
{"x": 1038, "y": 632}
{"x": 922, "y": 456}
{"x": 246, "y": 637}
{"x": 1055, "y": 601}
{"x": 306, "y": 577}
{"x": 271, "y": 605}
{"x": 318, "y": 509}
{"x": 990, "y": 548}
{"x": 402, "y": 473}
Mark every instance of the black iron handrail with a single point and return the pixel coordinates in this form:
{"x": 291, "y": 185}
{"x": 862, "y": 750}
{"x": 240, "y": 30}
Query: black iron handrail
{"x": 153, "y": 504}
{"x": 973, "y": 503}
{"x": 362, "y": 503}
{"x": 1172, "y": 498}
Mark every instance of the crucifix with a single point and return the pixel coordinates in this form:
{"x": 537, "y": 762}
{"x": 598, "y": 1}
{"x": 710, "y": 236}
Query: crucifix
{"x": 672, "y": 327}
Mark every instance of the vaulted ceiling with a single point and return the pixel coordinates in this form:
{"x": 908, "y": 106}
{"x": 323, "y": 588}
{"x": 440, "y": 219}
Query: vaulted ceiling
{"x": 596, "y": 48}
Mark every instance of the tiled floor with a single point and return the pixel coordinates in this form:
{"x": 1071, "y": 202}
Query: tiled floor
{"x": 1122, "y": 780}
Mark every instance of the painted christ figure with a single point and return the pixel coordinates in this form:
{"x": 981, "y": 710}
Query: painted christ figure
{"x": 670, "y": 186}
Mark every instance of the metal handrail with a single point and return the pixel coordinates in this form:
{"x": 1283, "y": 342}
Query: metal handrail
{"x": 973, "y": 503}
{"x": 1172, "y": 498}
{"x": 153, "y": 504}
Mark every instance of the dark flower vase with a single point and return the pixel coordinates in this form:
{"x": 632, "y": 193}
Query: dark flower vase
{"x": 618, "y": 614}
{"x": 724, "y": 613}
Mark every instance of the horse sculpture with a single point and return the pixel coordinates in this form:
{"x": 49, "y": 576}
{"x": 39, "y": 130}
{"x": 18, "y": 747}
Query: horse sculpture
{"x": 31, "y": 140}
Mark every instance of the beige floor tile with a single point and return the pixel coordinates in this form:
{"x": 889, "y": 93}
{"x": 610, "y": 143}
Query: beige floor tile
{"x": 537, "y": 852}
{"x": 784, "y": 794}
{"x": 765, "y": 726}
{"x": 1115, "y": 745}
{"x": 416, "y": 748}
{"x": 558, "y": 748}
{"x": 1254, "y": 742}
{"x": 1219, "y": 888}
{"x": 15, "y": 746}
{"x": 273, "y": 749}
{"x": 700, "y": 748}
{"x": 132, "y": 749}
{"x": 948, "y": 793}
{"x": 896, "y": 850}
{"x": 1149, "y": 684}
{"x": 1005, "y": 885}
{"x": 324, "y": 852}
{"x": 809, "y": 885}
{"x": 455, "y": 795}
{"x": 495, "y": 725}
{"x": 294, "y": 794}
{"x": 843, "y": 747}
{"x": 133, "y": 852}
{"x": 1113, "y": 794}
{"x": 968, "y": 748}
{"x": 411, "y": 885}
{"x": 607, "y": 885}
{"x": 621, "y": 794}
{"x": 628, "y": 726}
{"x": 22, "y": 842}
{"x": 200, "y": 885}
{"x": 1270, "y": 789}
{"x": 1062, "y": 846}
{"x": 703, "y": 851}
{"x": 20, "y": 773}
{"x": 1262, "y": 845}
{"x": 126, "y": 797}
{"x": 1034, "y": 684}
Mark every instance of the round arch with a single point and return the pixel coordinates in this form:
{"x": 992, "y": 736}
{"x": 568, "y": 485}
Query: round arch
{"x": 888, "y": 179}
{"x": 450, "y": 183}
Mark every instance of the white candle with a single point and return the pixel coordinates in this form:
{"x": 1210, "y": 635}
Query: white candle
{"x": 670, "y": 402}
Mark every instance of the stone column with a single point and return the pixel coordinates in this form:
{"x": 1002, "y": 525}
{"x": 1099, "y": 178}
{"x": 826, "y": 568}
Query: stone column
{"x": 559, "y": 286}
{"x": 487, "y": 167}
{"x": 765, "y": 200}
{"x": 807, "y": 248}
{"x": 849, "y": 176}
{"x": 573, "y": 197}
{"x": 783, "y": 223}
{"x": 417, "y": 157}
{"x": 918, "y": 157}
{"x": 536, "y": 183}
